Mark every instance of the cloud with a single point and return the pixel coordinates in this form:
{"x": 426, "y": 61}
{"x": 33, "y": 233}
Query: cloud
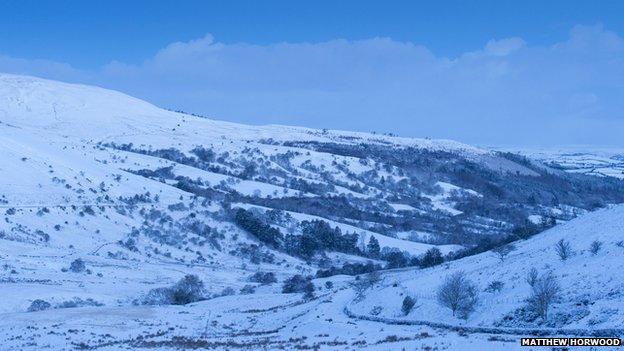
{"x": 503, "y": 47}
{"x": 570, "y": 92}
{"x": 41, "y": 68}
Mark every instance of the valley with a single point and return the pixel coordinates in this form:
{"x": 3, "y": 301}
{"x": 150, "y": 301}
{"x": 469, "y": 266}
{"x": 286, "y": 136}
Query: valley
{"x": 129, "y": 226}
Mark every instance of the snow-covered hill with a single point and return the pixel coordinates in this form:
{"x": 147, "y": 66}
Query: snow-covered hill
{"x": 594, "y": 161}
{"x": 592, "y": 284}
{"x": 108, "y": 201}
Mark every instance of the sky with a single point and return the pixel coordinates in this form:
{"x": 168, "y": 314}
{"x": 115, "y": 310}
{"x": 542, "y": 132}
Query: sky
{"x": 491, "y": 73}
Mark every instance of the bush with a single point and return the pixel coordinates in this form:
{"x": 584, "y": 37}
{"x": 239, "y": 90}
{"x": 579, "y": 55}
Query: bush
{"x": 349, "y": 269}
{"x": 595, "y": 247}
{"x": 503, "y": 251}
{"x": 77, "y": 266}
{"x": 459, "y": 294}
{"x": 247, "y": 289}
{"x": 532, "y": 276}
{"x": 229, "y": 291}
{"x": 395, "y": 259}
{"x": 189, "y": 289}
{"x": 432, "y": 257}
{"x": 372, "y": 278}
{"x": 263, "y": 278}
{"x": 158, "y": 296}
{"x": 78, "y": 302}
{"x": 206, "y": 155}
{"x": 39, "y": 305}
{"x": 308, "y": 290}
{"x": 495, "y": 286}
{"x": 564, "y": 249}
{"x": 295, "y": 284}
{"x": 408, "y": 305}
{"x": 543, "y": 293}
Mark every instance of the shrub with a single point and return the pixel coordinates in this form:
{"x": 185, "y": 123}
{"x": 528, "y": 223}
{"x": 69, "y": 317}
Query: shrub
{"x": 503, "y": 251}
{"x": 408, "y": 305}
{"x": 227, "y": 291}
{"x": 77, "y": 266}
{"x": 78, "y": 302}
{"x": 295, "y": 284}
{"x": 248, "y": 289}
{"x": 543, "y": 293}
{"x": 531, "y": 277}
{"x": 432, "y": 257}
{"x": 206, "y": 155}
{"x": 39, "y": 305}
{"x": 495, "y": 286}
{"x": 263, "y": 278}
{"x": 563, "y": 249}
{"x": 189, "y": 289}
{"x": 395, "y": 259}
{"x": 595, "y": 247}
{"x": 459, "y": 294}
{"x": 348, "y": 269}
{"x": 308, "y": 290}
{"x": 158, "y": 296}
{"x": 372, "y": 278}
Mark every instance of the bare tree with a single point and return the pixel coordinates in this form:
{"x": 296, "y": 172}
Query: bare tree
{"x": 595, "y": 247}
{"x": 408, "y": 304}
{"x": 504, "y": 250}
{"x": 373, "y": 278}
{"x": 543, "y": 293}
{"x": 532, "y": 276}
{"x": 459, "y": 294}
{"x": 564, "y": 249}
{"x": 366, "y": 281}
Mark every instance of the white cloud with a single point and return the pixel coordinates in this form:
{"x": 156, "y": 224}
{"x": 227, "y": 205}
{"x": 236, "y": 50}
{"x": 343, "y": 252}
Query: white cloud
{"x": 506, "y": 92}
{"x": 503, "y": 47}
{"x": 42, "y": 68}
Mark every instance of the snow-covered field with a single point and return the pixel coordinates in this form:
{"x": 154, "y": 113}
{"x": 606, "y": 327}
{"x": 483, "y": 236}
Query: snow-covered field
{"x": 586, "y": 160}
{"x": 337, "y": 317}
{"x": 106, "y": 198}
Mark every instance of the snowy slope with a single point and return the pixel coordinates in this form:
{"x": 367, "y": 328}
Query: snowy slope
{"x": 585, "y": 160}
{"x": 144, "y": 196}
{"x": 89, "y": 112}
{"x": 592, "y": 284}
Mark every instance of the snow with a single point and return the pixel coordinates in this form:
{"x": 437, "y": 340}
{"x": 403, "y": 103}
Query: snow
{"x": 581, "y": 159}
{"x": 402, "y": 207}
{"x": 578, "y": 276}
{"x": 64, "y": 197}
{"x": 441, "y": 201}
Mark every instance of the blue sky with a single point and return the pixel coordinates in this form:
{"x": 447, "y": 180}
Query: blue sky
{"x": 485, "y": 72}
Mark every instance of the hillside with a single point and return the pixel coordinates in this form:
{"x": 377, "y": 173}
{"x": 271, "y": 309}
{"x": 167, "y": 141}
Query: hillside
{"x": 594, "y": 161}
{"x": 591, "y": 283}
{"x": 108, "y": 201}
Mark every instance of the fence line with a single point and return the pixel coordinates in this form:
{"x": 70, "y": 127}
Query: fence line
{"x": 612, "y": 332}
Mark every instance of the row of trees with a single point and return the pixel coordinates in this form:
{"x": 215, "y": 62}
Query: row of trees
{"x": 264, "y": 232}
{"x": 318, "y": 236}
{"x": 315, "y": 236}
